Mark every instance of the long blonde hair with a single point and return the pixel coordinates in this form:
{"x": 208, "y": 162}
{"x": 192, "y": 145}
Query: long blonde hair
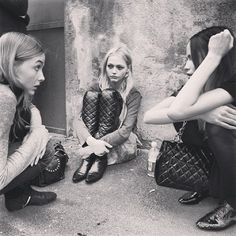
{"x": 17, "y": 47}
{"x": 127, "y": 85}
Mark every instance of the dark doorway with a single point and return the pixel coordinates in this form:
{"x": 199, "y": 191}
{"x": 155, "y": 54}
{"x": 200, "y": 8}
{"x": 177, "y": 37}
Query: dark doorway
{"x": 47, "y": 24}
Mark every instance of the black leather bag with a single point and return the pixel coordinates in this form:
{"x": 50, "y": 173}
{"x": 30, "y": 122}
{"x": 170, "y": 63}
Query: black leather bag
{"x": 183, "y": 166}
{"x": 55, "y": 170}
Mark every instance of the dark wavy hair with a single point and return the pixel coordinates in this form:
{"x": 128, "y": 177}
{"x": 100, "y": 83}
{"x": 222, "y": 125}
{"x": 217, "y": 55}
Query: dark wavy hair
{"x": 199, "y": 49}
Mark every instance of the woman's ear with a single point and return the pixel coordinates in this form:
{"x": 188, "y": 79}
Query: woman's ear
{"x": 127, "y": 74}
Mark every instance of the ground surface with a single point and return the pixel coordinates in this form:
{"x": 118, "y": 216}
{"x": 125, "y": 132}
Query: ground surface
{"x": 125, "y": 202}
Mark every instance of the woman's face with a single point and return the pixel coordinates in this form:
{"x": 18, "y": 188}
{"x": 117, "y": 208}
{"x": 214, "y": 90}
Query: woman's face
{"x": 189, "y": 66}
{"x": 116, "y": 69}
{"x": 29, "y": 73}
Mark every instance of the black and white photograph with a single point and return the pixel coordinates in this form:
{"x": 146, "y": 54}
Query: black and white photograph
{"x": 117, "y": 117}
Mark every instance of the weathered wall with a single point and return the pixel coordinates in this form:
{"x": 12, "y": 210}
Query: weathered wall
{"x": 155, "y": 30}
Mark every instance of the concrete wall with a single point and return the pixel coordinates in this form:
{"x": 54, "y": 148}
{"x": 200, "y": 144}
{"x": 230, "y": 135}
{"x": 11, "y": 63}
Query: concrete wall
{"x": 157, "y": 32}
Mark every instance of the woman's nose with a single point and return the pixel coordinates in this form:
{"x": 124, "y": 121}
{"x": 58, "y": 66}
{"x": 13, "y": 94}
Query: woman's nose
{"x": 41, "y": 77}
{"x": 114, "y": 70}
{"x": 186, "y": 67}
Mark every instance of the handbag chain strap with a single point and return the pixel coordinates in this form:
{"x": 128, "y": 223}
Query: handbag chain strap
{"x": 178, "y": 136}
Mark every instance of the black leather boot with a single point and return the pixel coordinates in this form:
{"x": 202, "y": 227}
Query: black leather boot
{"x": 90, "y": 110}
{"x": 218, "y": 219}
{"x": 81, "y": 173}
{"x": 21, "y": 197}
{"x": 97, "y": 170}
{"x": 191, "y": 198}
{"x": 110, "y": 106}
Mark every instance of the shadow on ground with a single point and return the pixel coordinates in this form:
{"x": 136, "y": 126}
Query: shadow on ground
{"x": 124, "y": 202}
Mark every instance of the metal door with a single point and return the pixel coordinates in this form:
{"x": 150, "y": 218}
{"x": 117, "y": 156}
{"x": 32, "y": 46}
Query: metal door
{"x": 47, "y": 24}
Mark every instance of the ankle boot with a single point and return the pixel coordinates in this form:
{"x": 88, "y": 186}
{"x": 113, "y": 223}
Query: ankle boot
{"x": 218, "y": 219}
{"x": 81, "y": 173}
{"x": 109, "y": 110}
{"x": 21, "y": 197}
{"x": 90, "y": 110}
{"x": 97, "y": 170}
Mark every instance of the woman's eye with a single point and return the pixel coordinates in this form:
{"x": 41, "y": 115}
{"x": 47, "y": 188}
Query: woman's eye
{"x": 37, "y": 68}
{"x": 189, "y": 57}
{"x": 110, "y": 66}
{"x": 120, "y": 67}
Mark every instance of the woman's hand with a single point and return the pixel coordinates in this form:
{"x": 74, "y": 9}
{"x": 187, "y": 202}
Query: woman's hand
{"x": 41, "y": 134}
{"x": 224, "y": 116}
{"x": 99, "y": 147}
{"x": 220, "y": 44}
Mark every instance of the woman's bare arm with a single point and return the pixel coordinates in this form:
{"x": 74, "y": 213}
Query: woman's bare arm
{"x": 189, "y": 101}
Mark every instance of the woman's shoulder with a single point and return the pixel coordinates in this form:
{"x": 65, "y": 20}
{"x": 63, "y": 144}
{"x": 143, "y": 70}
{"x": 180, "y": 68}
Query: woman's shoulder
{"x": 6, "y": 94}
{"x": 134, "y": 97}
{"x": 134, "y": 92}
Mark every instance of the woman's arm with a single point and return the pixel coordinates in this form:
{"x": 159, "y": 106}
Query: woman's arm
{"x": 158, "y": 114}
{"x": 224, "y": 116}
{"x": 205, "y": 103}
{"x": 13, "y": 165}
{"x": 189, "y": 95}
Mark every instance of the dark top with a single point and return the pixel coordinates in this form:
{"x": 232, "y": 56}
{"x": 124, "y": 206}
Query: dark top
{"x": 230, "y": 87}
{"x": 192, "y": 134}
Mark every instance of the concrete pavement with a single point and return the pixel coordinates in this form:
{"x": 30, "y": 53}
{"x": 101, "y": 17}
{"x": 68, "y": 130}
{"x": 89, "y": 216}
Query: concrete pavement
{"x": 124, "y": 202}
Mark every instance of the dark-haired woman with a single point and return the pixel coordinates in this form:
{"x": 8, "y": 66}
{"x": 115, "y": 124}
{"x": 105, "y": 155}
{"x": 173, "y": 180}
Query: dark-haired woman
{"x": 212, "y": 86}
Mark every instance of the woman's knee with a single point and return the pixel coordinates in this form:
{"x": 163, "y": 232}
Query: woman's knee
{"x": 111, "y": 94}
{"x": 92, "y": 95}
{"x": 111, "y": 100}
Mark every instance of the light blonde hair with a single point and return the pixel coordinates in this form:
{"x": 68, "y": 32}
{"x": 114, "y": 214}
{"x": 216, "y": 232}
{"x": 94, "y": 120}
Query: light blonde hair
{"x": 127, "y": 85}
{"x": 17, "y": 47}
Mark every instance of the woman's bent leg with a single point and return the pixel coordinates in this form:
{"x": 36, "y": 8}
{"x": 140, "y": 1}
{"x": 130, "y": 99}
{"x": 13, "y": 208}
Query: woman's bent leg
{"x": 110, "y": 107}
{"x": 18, "y": 192}
{"x": 223, "y": 179}
{"x": 90, "y": 116}
{"x": 90, "y": 111}
{"x": 223, "y": 176}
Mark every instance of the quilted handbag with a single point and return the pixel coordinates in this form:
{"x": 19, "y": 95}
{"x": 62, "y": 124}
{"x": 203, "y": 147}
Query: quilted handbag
{"x": 55, "y": 170}
{"x": 183, "y": 166}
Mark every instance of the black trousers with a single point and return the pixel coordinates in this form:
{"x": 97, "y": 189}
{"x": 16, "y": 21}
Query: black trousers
{"x": 23, "y": 180}
{"x": 223, "y": 175}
